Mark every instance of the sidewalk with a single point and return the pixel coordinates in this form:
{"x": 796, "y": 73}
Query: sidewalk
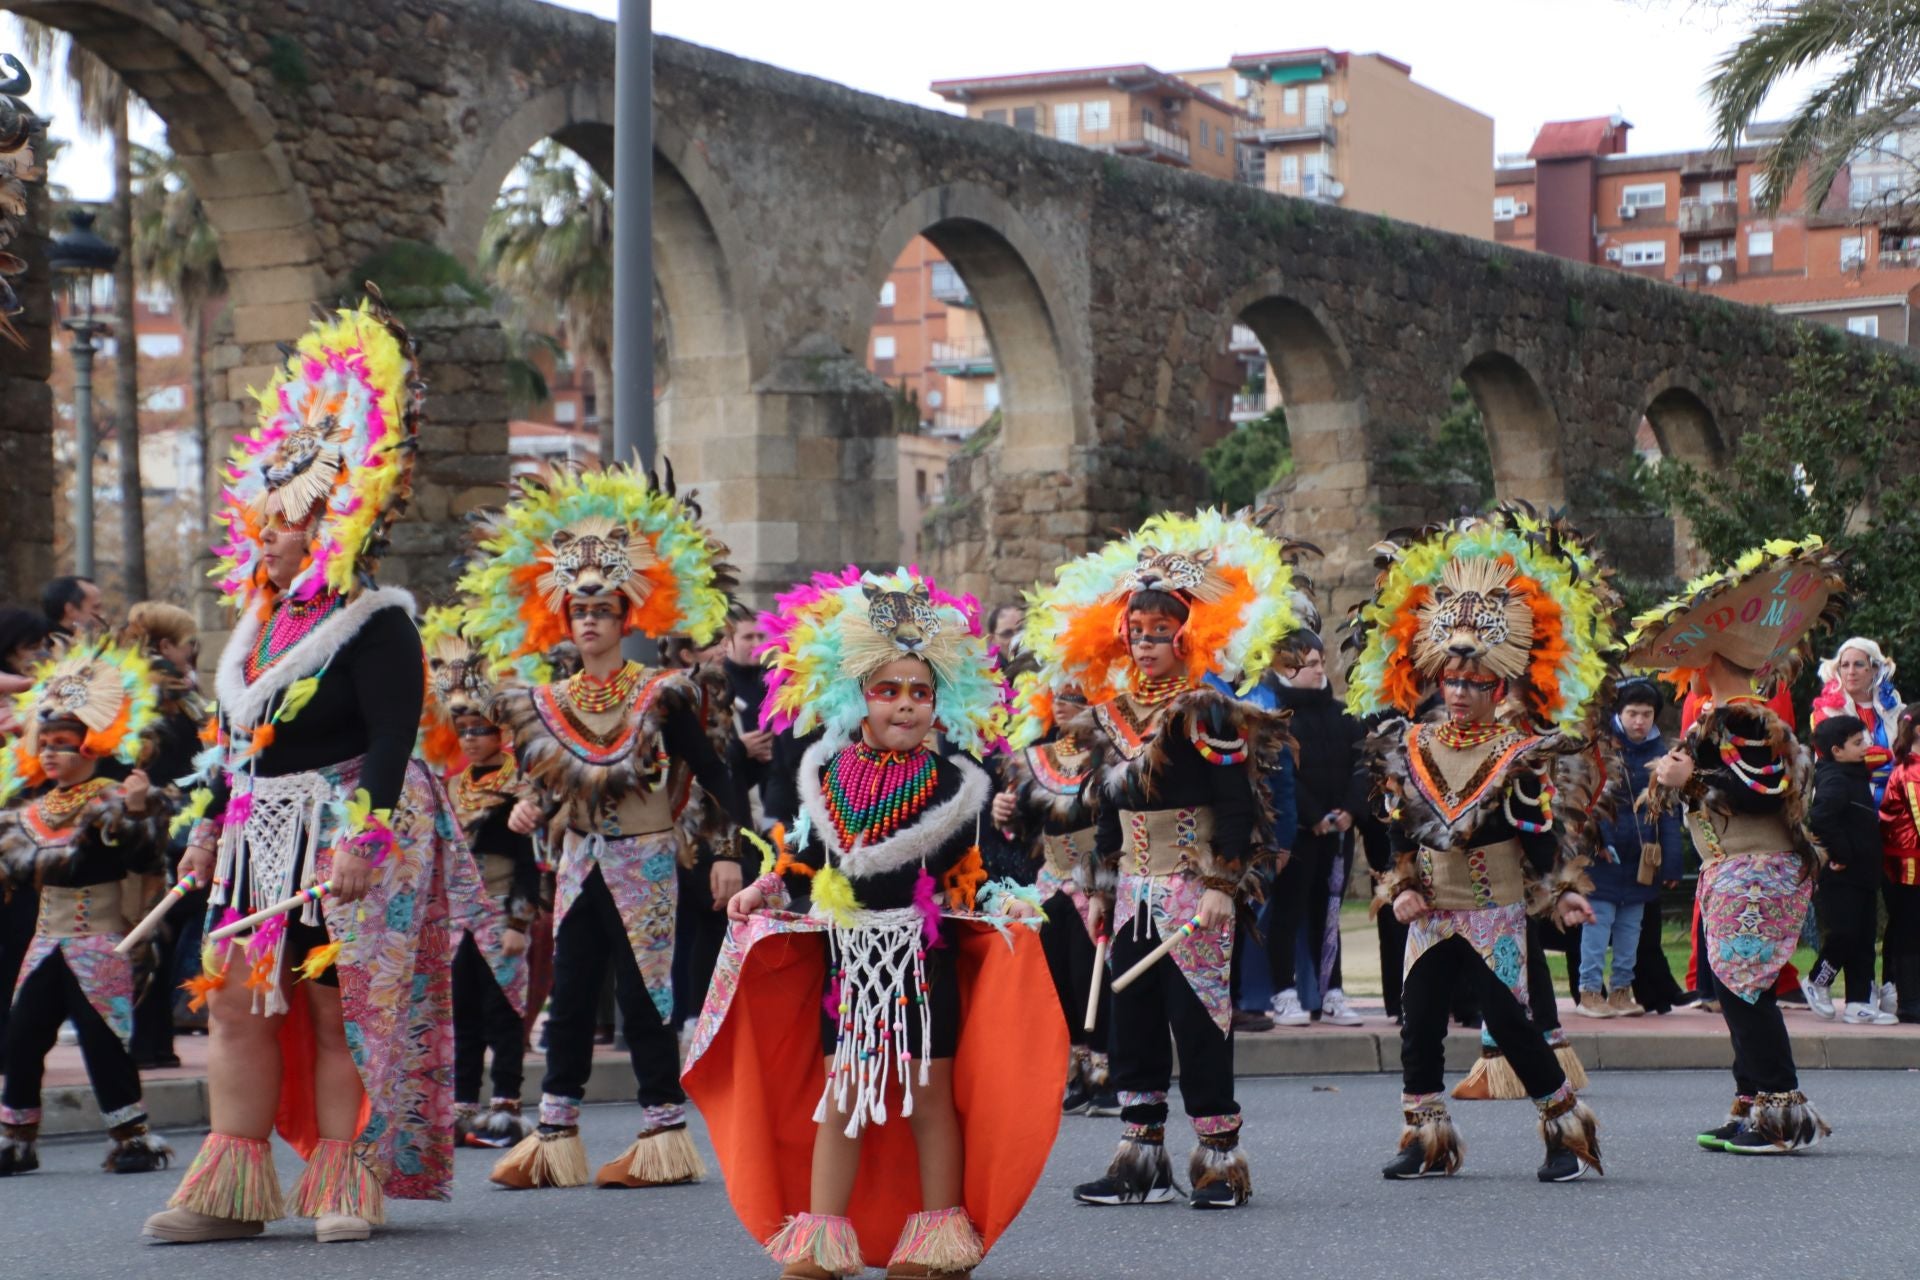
{"x": 1686, "y": 1039}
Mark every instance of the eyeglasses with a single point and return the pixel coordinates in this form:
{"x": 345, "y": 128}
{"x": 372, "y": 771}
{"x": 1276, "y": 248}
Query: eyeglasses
{"x": 893, "y": 690}
{"x": 1467, "y": 684}
{"x": 597, "y": 612}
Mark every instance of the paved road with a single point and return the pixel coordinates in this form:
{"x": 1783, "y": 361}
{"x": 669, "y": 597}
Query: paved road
{"x": 1666, "y": 1210}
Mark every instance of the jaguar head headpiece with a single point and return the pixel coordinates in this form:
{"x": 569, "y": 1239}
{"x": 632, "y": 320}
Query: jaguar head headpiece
{"x": 1474, "y": 615}
{"x": 905, "y": 619}
{"x": 595, "y": 557}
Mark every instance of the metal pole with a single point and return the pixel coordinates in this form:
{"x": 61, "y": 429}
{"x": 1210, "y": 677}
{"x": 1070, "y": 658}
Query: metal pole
{"x": 633, "y": 235}
{"x": 83, "y": 441}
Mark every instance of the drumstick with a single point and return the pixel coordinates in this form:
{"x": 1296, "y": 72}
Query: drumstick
{"x": 311, "y": 893}
{"x": 1099, "y": 978}
{"x": 1152, "y": 957}
{"x": 138, "y": 934}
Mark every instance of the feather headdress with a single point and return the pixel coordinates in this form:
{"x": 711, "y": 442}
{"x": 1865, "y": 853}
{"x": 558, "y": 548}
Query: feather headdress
{"x": 1760, "y": 614}
{"x": 332, "y": 454}
{"x": 106, "y": 688}
{"x": 614, "y": 533}
{"x": 458, "y": 684}
{"x": 1235, "y": 578}
{"x": 827, "y": 636}
{"x": 1520, "y": 594}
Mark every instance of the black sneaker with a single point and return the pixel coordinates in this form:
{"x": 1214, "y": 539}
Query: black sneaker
{"x": 1115, "y": 1190}
{"x": 18, "y": 1157}
{"x": 1104, "y": 1103}
{"x": 1715, "y": 1139}
{"x": 1748, "y": 1142}
{"x": 1078, "y": 1095}
{"x": 1561, "y": 1165}
{"x": 1410, "y": 1163}
{"x": 1217, "y": 1196}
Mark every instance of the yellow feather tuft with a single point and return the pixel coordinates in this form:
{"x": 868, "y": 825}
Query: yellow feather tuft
{"x": 833, "y": 893}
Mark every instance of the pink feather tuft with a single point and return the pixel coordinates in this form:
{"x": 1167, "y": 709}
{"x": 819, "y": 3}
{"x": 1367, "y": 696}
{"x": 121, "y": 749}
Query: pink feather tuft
{"x": 830, "y": 999}
{"x": 926, "y": 901}
{"x": 266, "y": 936}
{"x": 237, "y": 810}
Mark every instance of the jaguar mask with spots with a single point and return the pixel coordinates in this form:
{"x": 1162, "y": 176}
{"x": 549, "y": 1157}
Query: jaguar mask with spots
{"x": 596, "y": 557}
{"x": 1475, "y": 616}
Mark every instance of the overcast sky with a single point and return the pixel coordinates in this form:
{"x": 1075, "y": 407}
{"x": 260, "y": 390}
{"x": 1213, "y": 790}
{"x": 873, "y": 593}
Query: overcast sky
{"x": 1523, "y": 62}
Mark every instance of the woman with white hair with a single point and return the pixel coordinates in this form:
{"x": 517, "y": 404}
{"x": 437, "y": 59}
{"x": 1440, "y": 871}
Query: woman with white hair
{"x": 1858, "y": 681}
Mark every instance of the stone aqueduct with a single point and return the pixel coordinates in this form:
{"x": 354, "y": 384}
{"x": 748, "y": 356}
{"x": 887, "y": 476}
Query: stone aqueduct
{"x": 318, "y": 132}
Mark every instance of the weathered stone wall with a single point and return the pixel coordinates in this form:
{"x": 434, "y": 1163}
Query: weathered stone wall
{"x": 26, "y": 414}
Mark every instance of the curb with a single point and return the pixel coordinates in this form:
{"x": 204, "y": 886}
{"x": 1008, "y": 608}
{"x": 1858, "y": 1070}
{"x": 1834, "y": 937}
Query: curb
{"x": 180, "y": 1102}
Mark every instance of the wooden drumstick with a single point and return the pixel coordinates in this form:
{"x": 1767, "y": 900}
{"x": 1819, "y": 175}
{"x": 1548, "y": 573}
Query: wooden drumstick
{"x": 1099, "y": 979}
{"x": 1154, "y": 956}
{"x": 138, "y": 934}
{"x": 311, "y": 893}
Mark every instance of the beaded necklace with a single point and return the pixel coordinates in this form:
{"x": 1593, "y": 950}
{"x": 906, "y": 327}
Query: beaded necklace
{"x": 291, "y": 622}
{"x": 596, "y": 696}
{"x": 1156, "y": 691}
{"x": 54, "y": 812}
{"x": 871, "y": 794}
{"x": 1764, "y": 779}
{"x": 1465, "y": 737}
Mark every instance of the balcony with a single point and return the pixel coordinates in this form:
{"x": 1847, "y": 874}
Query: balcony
{"x": 1889, "y": 257}
{"x": 963, "y": 358}
{"x": 1696, "y": 269}
{"x": 1707, "y": 217}
{"x": 1150, "y": 140}
{"x": 1245, "y": 342}
{"x": 948, "y": 287}
{"x": 961, "y": 421}
{"x": 1706, "y": 164}
{"x": 1320, "y": 187}
{"x": 1313, "y": 126}
{"x": 1249, "y": 406}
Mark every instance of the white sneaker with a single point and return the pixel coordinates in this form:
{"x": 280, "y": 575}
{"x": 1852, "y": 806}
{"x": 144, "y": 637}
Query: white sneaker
{"x": 1889, "y": 1000}
{"x": 1287, "y": 1011}
{"x": 1334, "y": 1009}
{"x": 1867, "y": 1015}
{"x": 1820, "y": 1000}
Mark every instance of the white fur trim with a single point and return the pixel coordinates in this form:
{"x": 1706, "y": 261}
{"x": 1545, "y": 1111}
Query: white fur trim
{"x": 914, "y": 844}
{"x": 241, "y": 703}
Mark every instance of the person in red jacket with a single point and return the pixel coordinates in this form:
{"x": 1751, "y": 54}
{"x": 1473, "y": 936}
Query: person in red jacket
{"x": 1900, "y": 845}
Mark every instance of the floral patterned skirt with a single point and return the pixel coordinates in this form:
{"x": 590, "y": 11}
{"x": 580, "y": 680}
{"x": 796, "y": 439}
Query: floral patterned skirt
{"x": 1752, "y": 906}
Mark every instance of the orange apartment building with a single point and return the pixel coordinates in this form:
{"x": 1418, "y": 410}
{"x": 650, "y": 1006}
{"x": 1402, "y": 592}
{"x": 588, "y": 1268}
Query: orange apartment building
{"x": 1355, "y": 129}
{"x": 1689, "y": 218}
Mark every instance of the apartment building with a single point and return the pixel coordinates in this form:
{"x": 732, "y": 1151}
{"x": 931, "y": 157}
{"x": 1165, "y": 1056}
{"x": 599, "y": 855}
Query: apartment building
{"x": 1355, "y": 129}
{"x": 1132, "y": 110}
{"x": 1690, "y": 218}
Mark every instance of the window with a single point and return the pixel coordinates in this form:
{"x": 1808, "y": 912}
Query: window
{"x": 157, "y": 298}
{"x": 1206, "y": 136}
{"x": 1865, "y": 326}
{"x": 1219, "y": 142}
{"x": 1853, "y": 252}
{"x": 566, "y": 412}
{"x": 166, "y": 400}
{"x": 158, "y": 346}
{"x": 1096, "y": 117}
{"x": 1316, "y": 104}
{"x": 887, "y": 294}
{"x": 994, "y": 115}
{"x": 1027, "y": 118}
{"x": 993, "y": 394}
{"x": 1645, "y": 195}
{"x": 1505, "y": 208}
{"x": 1066, "y": 122}
{"x": 1146, "y": 115}
{"x": 1759, "y": 244}
{"x": 1289, "y": 102}
{"x": 1289, "y": 169}
{"x": 1756, "y": 187}
{"x": 884, "y": 347}
{"x": 1646, "y": 253}
{"x": 1241, "y": 86}
{"x": 1212, "y": 89}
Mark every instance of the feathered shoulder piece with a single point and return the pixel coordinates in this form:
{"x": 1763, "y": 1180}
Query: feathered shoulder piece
{"x": 332, "y": 455}
{"x": 1055, "y": 781}
{"x": 826, "y": 637}
{"x": 1520, "y": 594}
{"x": 1760, "y": 614}
{"x": 1235, "y": 579}
{"x": 40, "y": 837}
{"x": 458, "y": 684}
{"x": 1442, "y": 797}
{"x": 616, "y": 533}
{"x": 597, "y": 759}
{"x": 1746, "y": 757}
{"x": 105, "y": 688}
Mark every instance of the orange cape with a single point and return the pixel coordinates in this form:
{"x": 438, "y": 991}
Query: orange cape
{"x": 757, "y": 1072}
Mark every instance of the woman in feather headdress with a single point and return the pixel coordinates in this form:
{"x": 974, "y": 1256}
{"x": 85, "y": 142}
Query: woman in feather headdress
{"x": 1511, "y": 611}
{"x": 85, "y": 841}
{"x": 1744, "y": 783}
{"x": 328, "y": 1022}
{"x": 884, "y": 867}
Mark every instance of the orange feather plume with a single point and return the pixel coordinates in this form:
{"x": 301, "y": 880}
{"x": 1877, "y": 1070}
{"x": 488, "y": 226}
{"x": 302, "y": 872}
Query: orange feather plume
{"x": 964, "y": 878}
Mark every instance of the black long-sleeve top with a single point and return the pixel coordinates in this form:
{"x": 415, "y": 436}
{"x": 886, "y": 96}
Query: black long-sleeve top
{"x": 780, "y": 789}
{"x": 491, "y": 836}
{"x": 109, "y": 844}
{"x": 1329, "y": 741}
{"x": 747, "y": 689}
{"x": 1182, "y": 779}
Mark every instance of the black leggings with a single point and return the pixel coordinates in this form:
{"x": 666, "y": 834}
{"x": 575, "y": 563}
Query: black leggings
{"x": 49, "y": 996}
{"x": 1161, "y": 1000}
{"x": 1848, "y": 914}
{"x": 1300, "y": 904}
{"x": 1425, "y": 998}
{"x": 1762, "y": 1053}
{"x": 483, "y": 1019}
{"x": 591, "y": 938}
{"x": 1070, "y": 960}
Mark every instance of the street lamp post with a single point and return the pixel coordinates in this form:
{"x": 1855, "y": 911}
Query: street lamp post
{"x": 78, "y": 259}
{"x": 633, "y": 372}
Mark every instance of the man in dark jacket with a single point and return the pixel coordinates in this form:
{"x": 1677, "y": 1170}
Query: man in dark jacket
{"x": 1636, "y": 855}
{"x": 1303, "y": 951}
{"x": 1846, "y": 823}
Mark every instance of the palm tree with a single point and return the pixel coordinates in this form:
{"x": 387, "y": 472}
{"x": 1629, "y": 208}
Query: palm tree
{"x": 1877, "y": 86}
{"x": 549, "y": 246}
{"x": 175, "y": 247}
{"x": 104, "y": 103}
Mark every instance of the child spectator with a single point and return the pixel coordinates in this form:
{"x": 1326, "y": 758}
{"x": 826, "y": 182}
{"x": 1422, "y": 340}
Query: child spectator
{"x": 1846, "y": 823}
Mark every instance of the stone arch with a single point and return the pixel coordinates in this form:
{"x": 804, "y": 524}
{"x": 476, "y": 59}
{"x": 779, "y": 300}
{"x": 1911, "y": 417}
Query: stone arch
{"x": 1685, "y": 430}
{"x": 1523, "y": 432}
{"x": 578, "y": 116}
{"x": 1006, "y": 269}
